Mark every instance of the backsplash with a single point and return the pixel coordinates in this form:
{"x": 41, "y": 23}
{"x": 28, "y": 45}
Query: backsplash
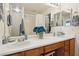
{"x": 71, "y": 30}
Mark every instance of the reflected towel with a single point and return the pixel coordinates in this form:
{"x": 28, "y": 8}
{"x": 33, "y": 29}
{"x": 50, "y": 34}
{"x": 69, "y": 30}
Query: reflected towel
{"x": 22, "y": 28}
{"x": 9, "y": 20}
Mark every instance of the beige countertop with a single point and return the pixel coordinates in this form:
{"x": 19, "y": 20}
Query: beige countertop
{"x": 31, "y": 43}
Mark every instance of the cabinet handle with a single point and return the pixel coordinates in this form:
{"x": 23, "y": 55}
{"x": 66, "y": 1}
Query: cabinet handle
{"x": 50, "y": 54}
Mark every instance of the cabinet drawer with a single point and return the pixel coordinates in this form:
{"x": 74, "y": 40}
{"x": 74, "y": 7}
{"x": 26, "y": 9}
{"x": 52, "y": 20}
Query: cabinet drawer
{"x": 53, "y": 46}
{"x": 34, "y": 52}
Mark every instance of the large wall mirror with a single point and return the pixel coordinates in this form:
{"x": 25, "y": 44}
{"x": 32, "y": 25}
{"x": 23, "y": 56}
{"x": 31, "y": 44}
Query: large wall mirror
{"x": 55, "y": 16}
{"x": 45, "y": 15}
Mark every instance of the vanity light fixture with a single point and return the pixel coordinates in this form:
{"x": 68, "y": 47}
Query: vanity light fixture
{"x": 17, "y": 9}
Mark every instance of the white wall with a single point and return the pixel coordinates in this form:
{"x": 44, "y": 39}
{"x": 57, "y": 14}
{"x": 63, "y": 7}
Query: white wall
{"x": 40, "y": 20}
{"x": 29, "y": 23}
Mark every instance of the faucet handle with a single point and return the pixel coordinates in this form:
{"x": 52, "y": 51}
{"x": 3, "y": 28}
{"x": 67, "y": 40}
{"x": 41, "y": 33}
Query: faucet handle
{"x": 20, "y": 39}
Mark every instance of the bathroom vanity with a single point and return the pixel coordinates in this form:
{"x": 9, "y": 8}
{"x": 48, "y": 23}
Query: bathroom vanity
{"x": 52, "y": 46}
{"x": 63, "y": 48}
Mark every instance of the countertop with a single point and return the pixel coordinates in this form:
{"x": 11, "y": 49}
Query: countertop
{"x": 31, "y": 43}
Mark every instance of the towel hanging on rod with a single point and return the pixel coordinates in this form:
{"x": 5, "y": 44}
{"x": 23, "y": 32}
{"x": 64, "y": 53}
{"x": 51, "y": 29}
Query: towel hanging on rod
{"x": 21, "y": 28}
{"x": 9, "y": 20}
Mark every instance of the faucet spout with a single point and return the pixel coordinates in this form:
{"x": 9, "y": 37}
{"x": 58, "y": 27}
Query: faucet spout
{"x": 4, "y": 41}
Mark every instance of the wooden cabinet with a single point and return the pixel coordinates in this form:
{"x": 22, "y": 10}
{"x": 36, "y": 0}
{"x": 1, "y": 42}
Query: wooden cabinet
{"x": 34, "y": 52}
{"x": 57, "y": 47}
{"x": 59, "y": 52}
{"x": 64, "y": 48}
{"x": 17, "y": 54}
{"x": 67, "y": 48}
{"x": 72, "y": 47}
{"x": 53, "y": 47}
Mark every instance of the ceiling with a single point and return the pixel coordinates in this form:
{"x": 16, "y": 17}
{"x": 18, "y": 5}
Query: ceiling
{"x": 74, "y": 6}
{"x": 41, "y": 7}
{"x": 36, "y": 7}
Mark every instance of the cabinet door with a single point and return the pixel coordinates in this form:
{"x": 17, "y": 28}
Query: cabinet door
{"x": 34, "y": 52}
{"x": 53, "y": 46}
{"x": 67, "y": 48}
{"x": 17, "y": 54}
{"x": 72, "y": 47}
{"x": 59, "y": 52}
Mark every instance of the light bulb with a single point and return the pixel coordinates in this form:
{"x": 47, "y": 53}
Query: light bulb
{"x": 17, "y": 9}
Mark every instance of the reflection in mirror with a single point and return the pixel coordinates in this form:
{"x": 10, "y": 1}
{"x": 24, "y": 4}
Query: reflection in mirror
{"x": 2, "y": 23}
{"x": 75, "y": 20}
{"x": 29, "y": 23}
{"x": 57, "y": 18}
{"x": 60, "y": 18}
{"x": 15, "y": 20}
{"x": 48, "y": 23}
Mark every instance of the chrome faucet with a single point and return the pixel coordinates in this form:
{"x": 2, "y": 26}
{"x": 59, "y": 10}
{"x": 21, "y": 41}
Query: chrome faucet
{"x": 4, "y": 41}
